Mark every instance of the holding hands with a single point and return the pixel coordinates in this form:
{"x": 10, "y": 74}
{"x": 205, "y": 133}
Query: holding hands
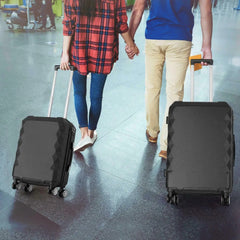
{"x": 130, "y": 48}
{"x": 131, "y": 51}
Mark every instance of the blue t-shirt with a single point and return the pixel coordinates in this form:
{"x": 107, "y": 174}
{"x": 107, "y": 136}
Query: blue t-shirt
{"x": 170, "y": 20}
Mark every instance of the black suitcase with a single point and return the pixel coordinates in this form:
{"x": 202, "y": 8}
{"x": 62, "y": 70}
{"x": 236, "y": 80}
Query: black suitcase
{"x": 44, "y": 151}
{"x": 201, "y": 148}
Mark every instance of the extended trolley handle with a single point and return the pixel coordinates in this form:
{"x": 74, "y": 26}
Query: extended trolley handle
{"x": 210, "y": 64}
{"x": 56, "y": 68}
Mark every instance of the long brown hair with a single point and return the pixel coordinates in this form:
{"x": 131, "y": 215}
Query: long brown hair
{"x": 89, "y": 7}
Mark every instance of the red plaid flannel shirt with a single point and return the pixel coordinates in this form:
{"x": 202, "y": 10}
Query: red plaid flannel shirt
{"x": 94, "y": 45}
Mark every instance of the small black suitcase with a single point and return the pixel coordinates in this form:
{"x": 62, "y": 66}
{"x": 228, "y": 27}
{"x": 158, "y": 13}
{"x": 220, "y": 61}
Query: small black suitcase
{"x": 201, "y": 148}
{"x": 44, "y": 152}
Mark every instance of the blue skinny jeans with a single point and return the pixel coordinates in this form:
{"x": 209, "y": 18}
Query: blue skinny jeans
{"x": 96, "y": 92}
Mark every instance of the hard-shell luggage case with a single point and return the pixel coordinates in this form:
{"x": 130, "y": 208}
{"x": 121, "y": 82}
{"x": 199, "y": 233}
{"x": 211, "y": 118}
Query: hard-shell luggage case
{"x": 201, "y": 147}
{"x": 44, "y": 152}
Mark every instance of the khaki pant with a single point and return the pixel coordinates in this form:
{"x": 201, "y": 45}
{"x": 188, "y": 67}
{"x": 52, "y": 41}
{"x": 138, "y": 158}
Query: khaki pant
{"x": 176, "y": 55}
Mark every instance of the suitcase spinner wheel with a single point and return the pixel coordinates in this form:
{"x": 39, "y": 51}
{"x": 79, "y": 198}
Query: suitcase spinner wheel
{"x": 27, "y": 187}
{"x": 225, "y": 200}
{"x": 61, "y": 192}
{"x": 16, "y": 185}
{"x": 173, "y": 198}
{"x": 54, "y": 191}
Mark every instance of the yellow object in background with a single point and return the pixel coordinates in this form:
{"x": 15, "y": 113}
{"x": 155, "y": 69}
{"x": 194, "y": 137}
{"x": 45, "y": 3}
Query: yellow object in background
{"x": 10, "y": 2}
{"x": 17, "y": 2}
{"x": 57, "y": 8}
{"x": 197, "y": 66}
{"x": 2, "y": 3}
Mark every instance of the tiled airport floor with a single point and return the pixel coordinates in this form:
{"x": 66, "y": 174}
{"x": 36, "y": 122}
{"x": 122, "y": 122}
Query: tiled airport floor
{"x": 116, "y": 188}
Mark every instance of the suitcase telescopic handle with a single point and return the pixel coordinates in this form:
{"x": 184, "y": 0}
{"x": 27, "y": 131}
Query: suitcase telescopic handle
{"x": 56, "y": 68}
{"x": 72, "y": 68}
{"x": 208, "y": 61}
{"x": 210, "y": 64}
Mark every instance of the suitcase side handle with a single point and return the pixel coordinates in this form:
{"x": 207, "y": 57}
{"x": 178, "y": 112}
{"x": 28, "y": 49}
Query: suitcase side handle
{"x": 234, "y": 150}
{"x": 210, "y": 64}
{"x": 56, "y": 68}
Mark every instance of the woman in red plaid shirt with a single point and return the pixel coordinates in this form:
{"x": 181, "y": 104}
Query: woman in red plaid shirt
{"x": 90, "y": 43}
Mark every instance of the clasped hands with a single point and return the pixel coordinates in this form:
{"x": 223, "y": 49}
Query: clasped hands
{"x": 131, "y": 50}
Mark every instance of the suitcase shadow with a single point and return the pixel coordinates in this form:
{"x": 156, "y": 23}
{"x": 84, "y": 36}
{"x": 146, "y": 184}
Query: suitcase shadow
{"x": 24, "y": 220}
{"x": 88, "y": 178}
{"x": 206, "y": 217}
{"x": 88, "y": 185}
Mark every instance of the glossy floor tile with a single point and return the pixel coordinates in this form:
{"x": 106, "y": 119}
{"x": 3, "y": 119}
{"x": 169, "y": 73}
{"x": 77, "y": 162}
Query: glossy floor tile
{"x": 19, "y": 221}
{"x": 117, "y": 187}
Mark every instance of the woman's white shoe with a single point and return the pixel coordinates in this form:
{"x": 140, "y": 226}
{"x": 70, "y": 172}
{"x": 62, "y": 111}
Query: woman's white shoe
{"x": 83, "y": 144}
{"x": 94, "y": 138}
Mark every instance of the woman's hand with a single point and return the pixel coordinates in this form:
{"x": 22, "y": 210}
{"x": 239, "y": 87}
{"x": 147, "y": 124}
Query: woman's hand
{"x": 65, "y": 62}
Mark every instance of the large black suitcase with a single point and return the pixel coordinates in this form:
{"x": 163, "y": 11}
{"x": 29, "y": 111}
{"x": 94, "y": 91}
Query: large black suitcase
{"x": 201, "y": 148}
{"x": 44, "y": 151}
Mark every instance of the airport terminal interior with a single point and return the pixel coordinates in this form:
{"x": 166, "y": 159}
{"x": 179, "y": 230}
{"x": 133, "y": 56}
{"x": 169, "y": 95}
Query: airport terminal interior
{"x": 116, "y": 188}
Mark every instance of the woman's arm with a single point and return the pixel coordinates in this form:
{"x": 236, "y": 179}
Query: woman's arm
{"x": 65, "y": 53}
{"x": 69, "y": 21}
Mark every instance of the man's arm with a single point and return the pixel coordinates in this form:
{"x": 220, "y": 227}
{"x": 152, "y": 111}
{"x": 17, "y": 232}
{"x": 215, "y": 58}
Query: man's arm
{"x": 136, "y": 16}
{"x": 207, "y": 25}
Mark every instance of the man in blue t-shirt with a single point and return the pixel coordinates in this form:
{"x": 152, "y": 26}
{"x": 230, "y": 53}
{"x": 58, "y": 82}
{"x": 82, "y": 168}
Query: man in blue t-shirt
{"x": 168, "y": 40}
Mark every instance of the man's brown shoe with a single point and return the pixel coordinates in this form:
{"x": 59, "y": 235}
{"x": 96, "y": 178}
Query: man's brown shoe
{"x": 150, "y": 138}
{"x": 163, "y": 154}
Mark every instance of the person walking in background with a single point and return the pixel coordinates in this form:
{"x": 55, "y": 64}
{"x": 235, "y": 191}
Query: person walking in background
{"x": 46, "y": 10}
{"x": 36, "y": 10}
{"x": 90, "y": 43}
{"x": 168, "y": 40}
